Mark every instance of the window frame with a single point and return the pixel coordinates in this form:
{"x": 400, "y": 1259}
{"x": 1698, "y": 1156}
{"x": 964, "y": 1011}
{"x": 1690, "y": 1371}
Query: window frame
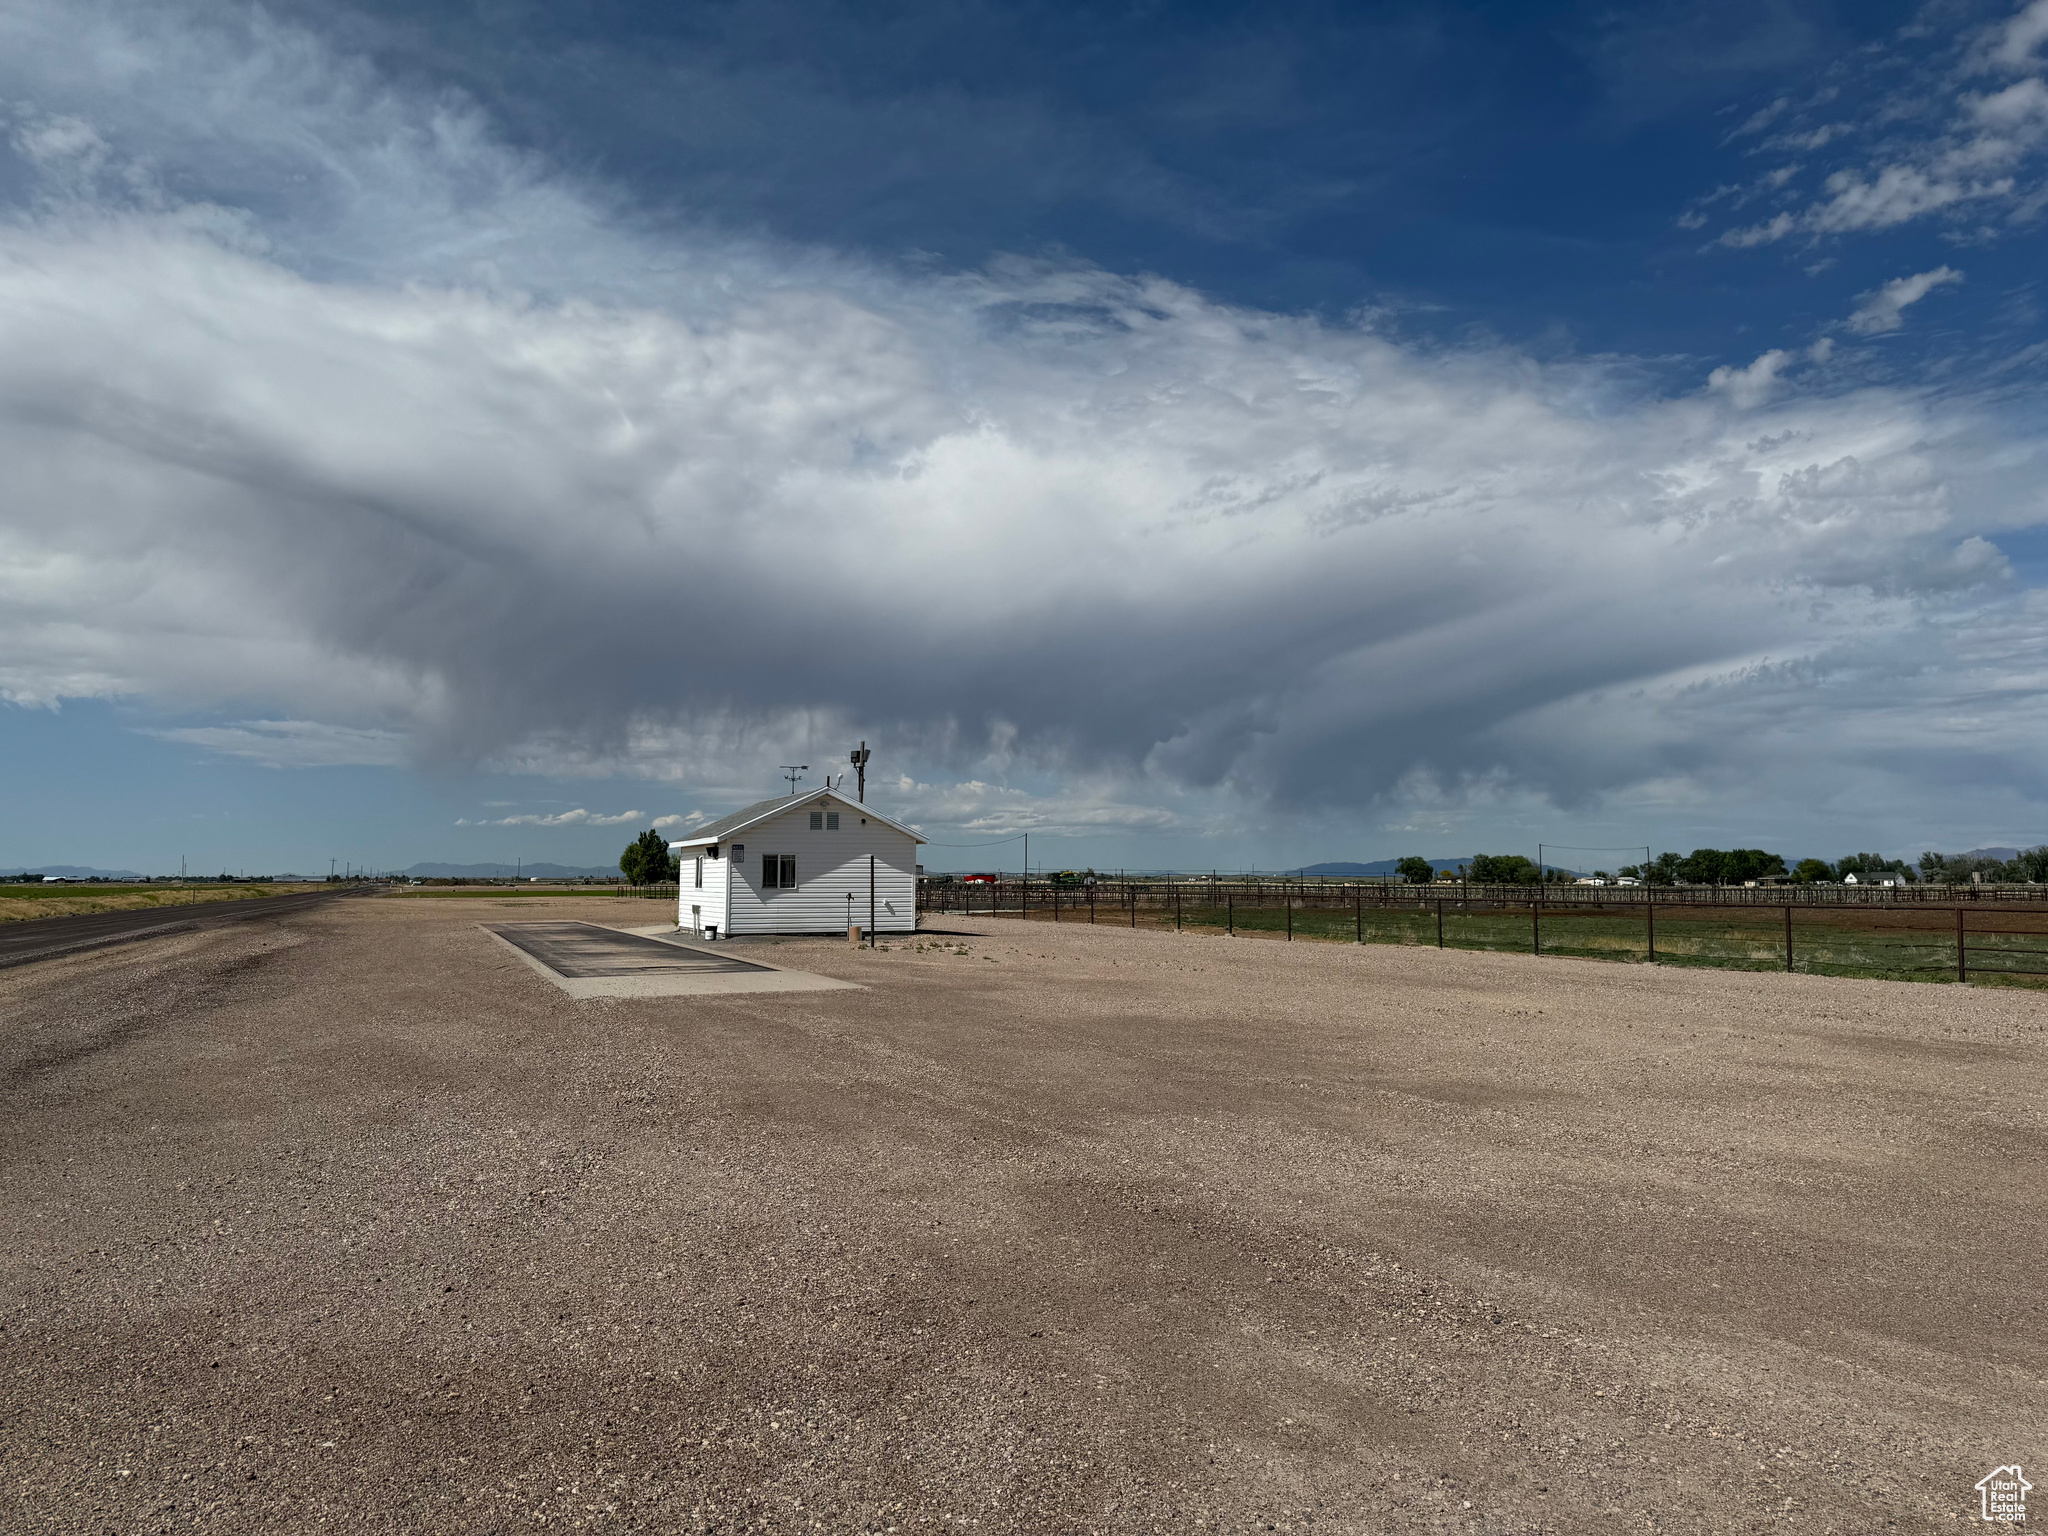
{"x": 774, "y": 866}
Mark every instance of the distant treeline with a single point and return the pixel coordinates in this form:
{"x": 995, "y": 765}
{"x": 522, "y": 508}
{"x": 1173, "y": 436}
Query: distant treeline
{"x": 1737, "y": 866}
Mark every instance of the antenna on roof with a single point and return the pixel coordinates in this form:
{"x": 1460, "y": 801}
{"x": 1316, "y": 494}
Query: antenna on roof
{"x": 793, "y": 772}
{"x": 859, "y": 759}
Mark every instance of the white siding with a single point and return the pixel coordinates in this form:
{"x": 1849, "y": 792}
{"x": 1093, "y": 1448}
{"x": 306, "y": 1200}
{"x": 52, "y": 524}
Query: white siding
{"x": 711, "y": 901}
{"x": 830, "y": 866}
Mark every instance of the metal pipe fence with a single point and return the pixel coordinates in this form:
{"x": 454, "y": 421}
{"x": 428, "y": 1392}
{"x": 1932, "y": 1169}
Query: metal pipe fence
{"x": 1883, "y": 935}
{"x": 669, "y": 892}
{"x": 957, "y": 895}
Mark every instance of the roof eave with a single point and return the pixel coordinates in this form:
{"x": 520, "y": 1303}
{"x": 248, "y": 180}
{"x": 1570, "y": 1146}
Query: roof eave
{"x": 791, "y": 803}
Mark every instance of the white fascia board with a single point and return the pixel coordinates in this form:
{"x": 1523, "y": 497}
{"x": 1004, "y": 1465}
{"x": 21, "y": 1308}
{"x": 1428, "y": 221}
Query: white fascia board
{"x": 795, "y": 802}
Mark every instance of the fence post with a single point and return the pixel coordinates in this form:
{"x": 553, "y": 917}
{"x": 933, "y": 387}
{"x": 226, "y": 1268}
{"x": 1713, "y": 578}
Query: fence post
{"x": 1091, "y": 904}
{"x": 1176, "y": 909}
{"x": 1132, "y": 892}
{"x": 1650, "y": 917}
{"x": 1439, "y": 922}
{"x": 1358, "y": 898}
{"x": 1536, "y": 924}
{"x": 1288, "y": 896}
{"x": 1024, "y": 899}
{"x": 1230, "y": 913}
{"x": 1788, "y": 935}
{"x": 1962, "y": 964}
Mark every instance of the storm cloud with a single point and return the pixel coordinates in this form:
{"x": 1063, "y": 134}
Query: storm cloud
{"x": 330, "y": 416}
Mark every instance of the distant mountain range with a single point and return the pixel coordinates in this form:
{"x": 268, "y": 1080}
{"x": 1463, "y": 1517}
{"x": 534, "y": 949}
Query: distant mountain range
{"x": 69, "y": 871}
{"x": 511, "y": 871}
{"x": 2003, "y": 855}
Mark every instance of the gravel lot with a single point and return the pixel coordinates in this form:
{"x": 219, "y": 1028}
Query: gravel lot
{"x": 349, "y": 1222}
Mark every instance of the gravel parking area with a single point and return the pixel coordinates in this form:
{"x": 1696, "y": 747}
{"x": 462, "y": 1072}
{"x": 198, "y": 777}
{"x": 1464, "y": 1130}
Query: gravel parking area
{"x": 350, "y": 1222}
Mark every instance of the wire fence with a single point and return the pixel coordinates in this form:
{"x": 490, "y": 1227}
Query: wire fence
{"x": 1393, "y": 892}
{"x": 1879, "y": 936}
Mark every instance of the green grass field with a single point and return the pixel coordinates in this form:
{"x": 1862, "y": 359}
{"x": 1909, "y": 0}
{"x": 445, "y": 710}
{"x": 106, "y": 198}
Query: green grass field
{"x": 1902, "y": 945}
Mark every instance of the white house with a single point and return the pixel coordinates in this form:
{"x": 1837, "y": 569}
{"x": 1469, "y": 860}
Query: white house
{"x": 799, "y": 864}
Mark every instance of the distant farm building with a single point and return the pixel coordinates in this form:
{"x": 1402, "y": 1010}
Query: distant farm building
{"x": 799, "y": 864}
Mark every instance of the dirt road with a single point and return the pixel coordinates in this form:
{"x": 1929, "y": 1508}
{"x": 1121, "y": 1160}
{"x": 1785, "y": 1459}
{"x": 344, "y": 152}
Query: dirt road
{"x": 350, "y": 1222}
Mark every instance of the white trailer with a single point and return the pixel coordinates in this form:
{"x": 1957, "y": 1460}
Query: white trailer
{"x": 810, "y": 863}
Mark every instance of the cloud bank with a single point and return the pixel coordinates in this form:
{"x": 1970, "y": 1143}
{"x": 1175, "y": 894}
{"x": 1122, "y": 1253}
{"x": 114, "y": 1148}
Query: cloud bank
{"x": 419, "y": 449}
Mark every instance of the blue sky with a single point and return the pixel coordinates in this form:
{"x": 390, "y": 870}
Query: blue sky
{"x": 1198, "y": 435}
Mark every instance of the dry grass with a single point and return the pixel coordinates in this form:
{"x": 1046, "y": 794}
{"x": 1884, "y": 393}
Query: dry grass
{"x": 21, "y": 902}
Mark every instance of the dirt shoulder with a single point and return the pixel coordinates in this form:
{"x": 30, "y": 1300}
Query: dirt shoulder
{"x": 351, "y": 1219}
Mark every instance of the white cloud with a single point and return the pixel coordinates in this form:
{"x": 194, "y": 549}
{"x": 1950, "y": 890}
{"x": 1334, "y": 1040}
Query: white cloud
{"x": 1750, "y": 386}
{"x": 2018, "y": 106}
{"x": 576, "y": 818}
{"x": 433, "y": 448}
{"x": 1777, "y": 227}
{"x": 977, "y": 810}
{"x": 2019, "y": 37}
{"x": 1939, "y": 144}
{"x": 1897, "y": 193}
{"x": 1885, "y": 308}
{"x": 294, "y": 743}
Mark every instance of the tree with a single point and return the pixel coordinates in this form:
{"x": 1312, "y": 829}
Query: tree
{"x": 1753, "y": 864}
{"x": 1810, "y": 870}
{"x": 1503, "y": 869}
{"x": 1878, "y": 864}
{"x": 1732, "y": 866}
{"x": 1703, "y": 866}
{"x": 646, "y": 860}
{"x": 1415, "y": 869}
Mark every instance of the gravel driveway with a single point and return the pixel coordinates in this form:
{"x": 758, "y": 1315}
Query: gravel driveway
{"x": 350, "y": 1222}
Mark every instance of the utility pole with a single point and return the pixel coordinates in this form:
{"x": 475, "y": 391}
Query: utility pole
{"x": 794, "y": 771}
{"x": 330, "y": 869}
{"x": 859, "y": 758}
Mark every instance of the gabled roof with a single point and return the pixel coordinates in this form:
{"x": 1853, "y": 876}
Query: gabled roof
{"x": 761, "y": 810}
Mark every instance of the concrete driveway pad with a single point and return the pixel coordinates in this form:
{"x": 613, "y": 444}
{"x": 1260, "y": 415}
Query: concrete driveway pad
{"x": 587, "y": 961}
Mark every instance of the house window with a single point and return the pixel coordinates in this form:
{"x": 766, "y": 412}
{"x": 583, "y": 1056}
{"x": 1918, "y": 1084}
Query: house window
{"x": 700, "y": 874}
{"x": 831, "y": 821}
{"x": 778, "y": 871}
{"x": 817, "y": 821}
